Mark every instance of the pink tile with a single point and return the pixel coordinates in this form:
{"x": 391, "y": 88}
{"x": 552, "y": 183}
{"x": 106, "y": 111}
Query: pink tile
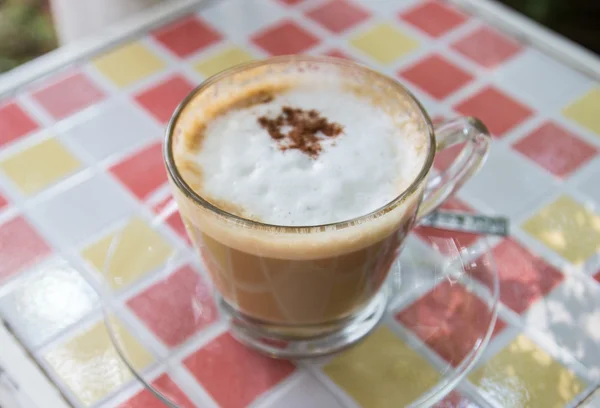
{"x": 187, "y": 36}
{"x": 143, "y": 172}
{"x": 21, "y": 246}
{"x": 338, "y": 15}
{"x": 174, "y": 220}
{"x": 176, "y": 308}
{"x": 455, "y": 400}
{"x": 487, "y": 47}
{"x": 234, "y": 375}
{"x": 15, "y": 123}
{"x": 284, "y": 38}
{"x": 146, "y": 399}
{"x": 556, "y": 149}
{"x": 3, "y": 202}
{"x": 448, "y": 242}
{"x": 436, "y": 76}
{"x": 68, "y": 95}
{"x": 499, "y": 112}
{"x": 524, "y": 277}
{"x": 161, "y": 99}
{"x": 336, "y": 53}
{"x": 291, "y": 2}
{"x": 450, "y": 320}
{"x": 434, "y": 17}
{"x": 446, "y": 157}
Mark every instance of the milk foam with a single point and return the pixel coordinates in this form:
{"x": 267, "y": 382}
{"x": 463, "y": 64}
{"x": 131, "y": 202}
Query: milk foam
{"x": 375, "y": 158}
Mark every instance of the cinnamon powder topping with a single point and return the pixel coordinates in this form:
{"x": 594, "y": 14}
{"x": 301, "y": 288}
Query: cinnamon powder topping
{"x": 305, "y": 127}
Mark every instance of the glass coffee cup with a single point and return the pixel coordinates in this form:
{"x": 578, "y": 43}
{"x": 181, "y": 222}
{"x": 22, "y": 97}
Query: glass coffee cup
{"x": 309, "y": 290}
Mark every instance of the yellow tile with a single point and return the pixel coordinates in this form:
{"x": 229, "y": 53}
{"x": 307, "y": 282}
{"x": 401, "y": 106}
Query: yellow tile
{"x": 223, "y": 60}
{"x": 90, "y": 366}
{"x": 568, "y": 228}
{"x": 523, "y": 375}
{"x": 585, "y": 111}
{"x": 382, "y": 372}
{"x": 38, "y": 166}
{"x": 128, "y": 64}
{"x": 384, "y": 43}
{"x": 140, "y": 250}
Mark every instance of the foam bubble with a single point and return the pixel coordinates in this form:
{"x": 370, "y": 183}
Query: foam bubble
{"x": 374, "y": 159}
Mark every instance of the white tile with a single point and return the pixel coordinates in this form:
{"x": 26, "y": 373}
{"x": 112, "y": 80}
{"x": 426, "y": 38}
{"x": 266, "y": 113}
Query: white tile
{"x": 543, "y": 81}
{"x": 114, "y": 128}
{"x": 83, "y": 209}
{"x": 590, "y": 184}
{"x": 418, "y": 269}
{"x": 305, "y": 392}
{"x": 238, "y": 19}
{"x": 48, "y": 301}
{"x": 508, "y": 184}
{"x": 387, "y": 7}
{"x": 570, "y": 315}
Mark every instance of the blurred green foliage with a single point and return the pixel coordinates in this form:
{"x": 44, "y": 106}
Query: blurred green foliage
{"x": 26, "y": 31}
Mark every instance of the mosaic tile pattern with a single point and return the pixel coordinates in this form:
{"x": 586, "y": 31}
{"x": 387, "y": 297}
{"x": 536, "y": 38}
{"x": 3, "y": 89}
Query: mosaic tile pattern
{"x": 14, "y": 122}
{"x": 233, "y": 375}
{"x": 366, "y": 374}
{"x": 94, "y": 130}
{"x": 94, "y": 368}
{"x": 39, "y": 166}
{"x": 135, "y": 237}
{"x": 68, "y": 95}
{"x": 523, "y": 374}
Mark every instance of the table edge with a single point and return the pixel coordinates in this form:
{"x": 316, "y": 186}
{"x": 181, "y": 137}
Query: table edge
{"x": 496, "y": 14}
{"x": 145, "y": 20}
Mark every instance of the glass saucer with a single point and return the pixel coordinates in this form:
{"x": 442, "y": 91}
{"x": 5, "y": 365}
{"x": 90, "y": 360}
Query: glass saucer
{"x": 440, "y": 317}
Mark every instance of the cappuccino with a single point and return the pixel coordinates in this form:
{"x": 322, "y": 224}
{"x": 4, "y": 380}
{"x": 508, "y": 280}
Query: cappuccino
{"x": 298, "y": 179}
{"x": 311, "y": 153}
{"x": 279, "y": 155}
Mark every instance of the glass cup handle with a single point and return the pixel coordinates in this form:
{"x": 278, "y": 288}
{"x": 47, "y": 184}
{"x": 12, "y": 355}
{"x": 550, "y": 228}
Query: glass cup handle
{"x": 477, "y": 139}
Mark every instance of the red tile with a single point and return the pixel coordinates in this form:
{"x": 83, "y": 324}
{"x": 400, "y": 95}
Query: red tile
{"x": 166, "y": 386}
{"x": 455, "y": 400}
{"x": 499, "y": 112}
{"x": 185, "y": 37}
{"x": 338, "y": 15}
{"x": 162, "y": 99}
{"x": 68, "y": 95}
{"x": 20, "y": 246}
{"x": 524, "y": 277}
{"x": 434, "y": 18}
{"x": 448, "y": 242}
{"x": 444, "y": 158}
{"x": 338, "y": 54}
{"x": 291, "y": 2}
{"x": 597, "y": 276}
{"x": 176, "y": 308}
{"x": 174, "y": 220}
{"x": 450, "y": 320}
{"x": 14, "y": 123}
{"x": 487, "y": 47}
{"x": 143, "y": 172}
{"x": 234, "y": 375}
{"x": 556, "y": 149}
{"x": 437, "y": 76}
{"x": 3, "y": 202}
{"x": 285, "y": 38}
